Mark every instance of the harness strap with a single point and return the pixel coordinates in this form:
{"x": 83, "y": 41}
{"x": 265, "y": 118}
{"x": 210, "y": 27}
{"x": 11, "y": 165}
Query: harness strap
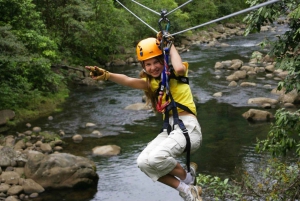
{"x": 182, "y": 79}
{"x": 177, "y": 121}
{"x": 164, "y": 87}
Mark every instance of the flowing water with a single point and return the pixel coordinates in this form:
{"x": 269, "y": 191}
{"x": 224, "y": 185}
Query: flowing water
{"x": 228, "y": 139}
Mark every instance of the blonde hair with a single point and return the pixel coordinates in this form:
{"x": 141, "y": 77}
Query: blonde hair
{"x": 150, "y": 95}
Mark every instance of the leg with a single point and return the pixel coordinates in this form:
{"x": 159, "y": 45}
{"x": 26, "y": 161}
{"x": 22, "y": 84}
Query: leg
{"x": 170, "y": 178}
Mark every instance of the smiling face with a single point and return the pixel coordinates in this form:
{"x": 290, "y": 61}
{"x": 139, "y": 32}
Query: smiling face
{"x": 153, "y": 66}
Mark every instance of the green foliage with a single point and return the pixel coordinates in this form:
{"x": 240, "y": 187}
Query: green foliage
{"x": 226, "y": 7}
{"x": 271, "y": 180}
{"x": 284, "y": 134}
{"x": 106, "y": 36}
{"x": 280, "y": 180}
{"x": 201, "y": 12}
{"x": 26, "y": 56}
{"x": 48, "y": 137}
{"x": 287, "y": 52}
{"x": 217, "y": 189}
{"x": 262, "y": 16}
{"x": 274, "y": 181}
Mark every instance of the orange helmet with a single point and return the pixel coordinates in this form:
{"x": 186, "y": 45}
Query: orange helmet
{"x": 147, "y": 49}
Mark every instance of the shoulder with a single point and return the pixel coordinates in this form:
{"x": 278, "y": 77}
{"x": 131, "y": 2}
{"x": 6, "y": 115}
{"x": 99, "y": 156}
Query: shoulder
{"x": 186, "y": 64}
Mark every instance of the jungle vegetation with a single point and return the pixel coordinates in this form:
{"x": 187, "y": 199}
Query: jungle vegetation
{"x": 35, "y": 35}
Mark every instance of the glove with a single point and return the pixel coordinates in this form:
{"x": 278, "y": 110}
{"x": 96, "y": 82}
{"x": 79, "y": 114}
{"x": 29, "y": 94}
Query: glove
{"x": 98, "y": 73}
{"x": 166, "y": 36}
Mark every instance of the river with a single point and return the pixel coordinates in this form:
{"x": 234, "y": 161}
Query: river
{"x": 228, "y": 139}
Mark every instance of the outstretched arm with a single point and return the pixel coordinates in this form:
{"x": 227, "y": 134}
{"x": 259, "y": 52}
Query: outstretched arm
{"x": 100, "y": 74}
{"x": 128, "y": 81}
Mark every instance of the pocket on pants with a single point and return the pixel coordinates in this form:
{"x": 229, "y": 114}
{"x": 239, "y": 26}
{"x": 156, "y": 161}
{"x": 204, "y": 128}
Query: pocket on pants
{"x": 179, "y": 137}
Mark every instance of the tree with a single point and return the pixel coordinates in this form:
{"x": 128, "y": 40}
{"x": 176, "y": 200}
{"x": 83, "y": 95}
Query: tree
{"x": 26, "y": 56}
{"x": 286, "y": 50}
{"x": 277, "y": 179}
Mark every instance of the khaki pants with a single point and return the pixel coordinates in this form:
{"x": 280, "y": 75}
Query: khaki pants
{"x": 158, "y": 158}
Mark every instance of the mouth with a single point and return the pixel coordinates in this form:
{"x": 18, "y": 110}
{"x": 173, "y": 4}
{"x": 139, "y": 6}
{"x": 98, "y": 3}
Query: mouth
{"x": 156, "y": 72}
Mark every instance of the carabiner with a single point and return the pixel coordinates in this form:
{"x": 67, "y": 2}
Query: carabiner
{"x": 163, "y": 18}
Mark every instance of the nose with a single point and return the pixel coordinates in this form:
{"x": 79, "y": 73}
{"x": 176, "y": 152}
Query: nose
{"x": 149, "y": 68}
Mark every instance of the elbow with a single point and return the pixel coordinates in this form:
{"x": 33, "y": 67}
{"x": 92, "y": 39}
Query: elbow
{"x": 180, "y": 71}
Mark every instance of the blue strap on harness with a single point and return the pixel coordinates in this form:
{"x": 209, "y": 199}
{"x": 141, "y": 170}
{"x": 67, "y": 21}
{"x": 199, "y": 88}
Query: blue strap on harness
{"x": 172, "y": 105}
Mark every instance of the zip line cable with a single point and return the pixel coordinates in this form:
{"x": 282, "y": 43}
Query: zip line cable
{"x": 228, "y": 16}
{"x": 158, "y": 12}
{"x": 146, "y": 7}
{"x": 201, "y": 25}
{"x": 178, "y": 7}
{"x": 137, "y": 17}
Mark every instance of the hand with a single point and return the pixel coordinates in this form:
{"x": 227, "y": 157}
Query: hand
{"x": 168, "y": 39}
{"x": 98, "y": 73}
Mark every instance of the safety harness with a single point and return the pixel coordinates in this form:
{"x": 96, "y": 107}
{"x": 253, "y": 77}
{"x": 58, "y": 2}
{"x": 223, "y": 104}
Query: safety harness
{"x": 171, "y": 105}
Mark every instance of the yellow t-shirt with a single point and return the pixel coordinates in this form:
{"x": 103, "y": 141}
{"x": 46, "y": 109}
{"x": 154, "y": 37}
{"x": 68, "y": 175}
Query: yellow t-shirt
{"x": 180, "y": 92}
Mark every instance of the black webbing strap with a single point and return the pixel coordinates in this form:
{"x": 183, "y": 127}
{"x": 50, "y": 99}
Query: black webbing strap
{"x": 181, "y": 79}
{"x": 166, "y": 125}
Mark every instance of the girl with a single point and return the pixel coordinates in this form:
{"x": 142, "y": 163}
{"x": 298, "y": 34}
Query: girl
{"x": 157, "y": 160}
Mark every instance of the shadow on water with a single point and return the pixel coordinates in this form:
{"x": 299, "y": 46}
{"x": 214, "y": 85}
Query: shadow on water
{"x": 228, "y": 139}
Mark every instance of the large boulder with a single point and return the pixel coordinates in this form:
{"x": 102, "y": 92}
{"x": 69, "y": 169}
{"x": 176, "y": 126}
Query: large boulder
{"x": 6, "y": 115}
{"x": 60, "y": 170}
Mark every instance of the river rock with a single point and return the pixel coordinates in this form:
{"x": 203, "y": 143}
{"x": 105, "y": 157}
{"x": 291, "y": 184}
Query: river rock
{"x": 138, "y": 106}
{"x": 46, "y": 148}
{"x": 289, "y": 105}
{"x": 257, "y": 115}
{"x": 31, "y": 186}
{"x": 240, "y": 74}
{"x": 248, "y": 84}
{"x": 7, "y": 155}
{"x": 96, "y": 132}
{"x": 60, "y": 170}
{"x": 4, "y": 187}
{"x": 262, "y": 100}
{"x": 9, "y": 141}
{"x": 90, "y": 124}
{"x": 107, "y": 150}
{"x": 232, "y": 84}
{"x": 77, "y": 138}
{"x": 270, "y": 68}
{"x": 219, "y": 65}
{"x": 236, "y": 64}
{"x": 20, "y": 145}
{"x": 15, "y": 190}
{"x": 36, "y": 129}
{"x": 11, "y": 198}
{"x": 290, "y": 97}
{"x": 10, "y": 177}
{"x": 218, "y": 94}
{"x": 6, "y": 115}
